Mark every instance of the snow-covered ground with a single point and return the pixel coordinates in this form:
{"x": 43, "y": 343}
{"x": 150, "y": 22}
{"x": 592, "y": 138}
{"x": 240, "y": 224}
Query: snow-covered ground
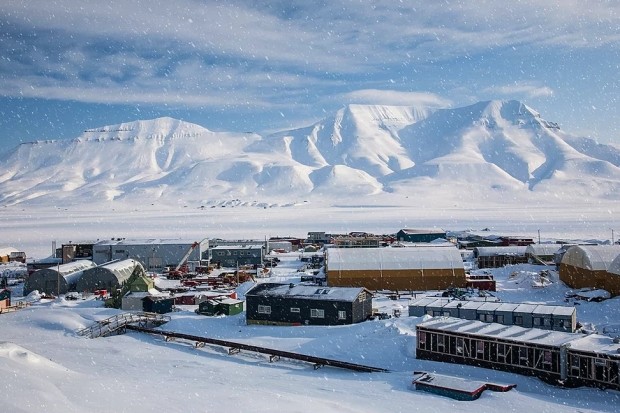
{"x": 46, "y": 367}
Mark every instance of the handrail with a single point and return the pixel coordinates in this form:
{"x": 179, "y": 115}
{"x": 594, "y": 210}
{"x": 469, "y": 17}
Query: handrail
{"x": 111, "y": 324}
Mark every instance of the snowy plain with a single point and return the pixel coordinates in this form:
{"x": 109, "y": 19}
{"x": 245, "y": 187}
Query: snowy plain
{"x": 47, "y": 367}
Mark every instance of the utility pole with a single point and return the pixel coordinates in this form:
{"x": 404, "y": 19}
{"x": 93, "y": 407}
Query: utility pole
{"x": 539, "y": 236}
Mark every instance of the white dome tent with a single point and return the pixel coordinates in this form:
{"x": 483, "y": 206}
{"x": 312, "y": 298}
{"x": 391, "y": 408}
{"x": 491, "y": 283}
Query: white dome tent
{"x": 108, "y": 276}
{"x": 592, "y": 266}
{"x": 59, "y": 279}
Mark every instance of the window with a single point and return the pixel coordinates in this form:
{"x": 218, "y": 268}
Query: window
{"x": 501, "y": 350}
{"x": 500, "y": 319}
{"x": 316, "y": 313}
{"x": 547, "y": 357}
{"x": 294, "y": 309}
{"x": 547, "y": 322}
{"x": 446, "y": 314}
{"x": 481, "y": 317}
{"x": 440, "y": 341}
{"x": 436, "y": 313}
{"x": 489, "y": 318}
{"x": 480, "y": 346}
{"x": 264, "y": 309}
{"x": 422, "y": 338}
{"x": 537, "y": 321}
{"x": 519, "y": 320}
{"x": 342, "y": 315}
{"x": 459, "y": 345}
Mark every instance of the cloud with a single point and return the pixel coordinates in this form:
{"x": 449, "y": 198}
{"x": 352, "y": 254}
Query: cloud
{"x": 394, "y": 97}
{"x": 526, "y": 89}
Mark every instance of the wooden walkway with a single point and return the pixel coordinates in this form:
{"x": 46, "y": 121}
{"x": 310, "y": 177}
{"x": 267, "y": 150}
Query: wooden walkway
{"x": 274, "y": 354}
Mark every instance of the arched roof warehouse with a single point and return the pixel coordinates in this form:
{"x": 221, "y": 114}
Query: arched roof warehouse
{"x": 59, "y": 279}
{"x": 415, "y": 268}
{"x": 591, "y": 266}
{"x": 108, "y": 276}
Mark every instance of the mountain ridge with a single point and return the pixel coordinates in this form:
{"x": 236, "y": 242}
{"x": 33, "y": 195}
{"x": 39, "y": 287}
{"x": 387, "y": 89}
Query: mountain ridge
{"x": 475, "y": 152}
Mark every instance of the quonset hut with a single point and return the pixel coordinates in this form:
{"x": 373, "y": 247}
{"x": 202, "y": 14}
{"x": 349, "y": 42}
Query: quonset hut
{"x": 590, "y": 266}
{"x": 416, "y": 268}
{"x": 59, "y": 279}
{"x": 108, "y": 276}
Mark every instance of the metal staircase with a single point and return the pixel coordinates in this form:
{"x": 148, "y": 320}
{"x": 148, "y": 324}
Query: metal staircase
{"x": 117, "y": 324}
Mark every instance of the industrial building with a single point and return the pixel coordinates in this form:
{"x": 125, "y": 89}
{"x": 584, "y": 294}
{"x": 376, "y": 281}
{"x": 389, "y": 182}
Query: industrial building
{"x": 495, "y": 257}
{"x": 562, "y": 358}
{"x": 420, "y": 235}
{"x": 546, "y": 317}
{"x": 290, "y": 304}
{"x": 232, "y": 256}
{"x": 413, "y": 269}
{"x": 154, "y": 254}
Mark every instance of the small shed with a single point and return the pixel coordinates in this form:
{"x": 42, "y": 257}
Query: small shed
{"x": 148, "y": 301}
{"x": 141, "y": 283}
{"x": 504, "y": 314}
{"x": 524, "y": 315}
{"x": 495, "y": 257}
{"x": 290, "y": 304}
{"x": 5, "y": 299}
{"x": 109, "y": 276}
{"x": 59, "y": 279}
{"x": 158, "y": 304}
{"x": 592, "y": 266}
{"x": 486, "y": 312}
{"x": 420, "y": 306}
{"x": 220, "y": 306}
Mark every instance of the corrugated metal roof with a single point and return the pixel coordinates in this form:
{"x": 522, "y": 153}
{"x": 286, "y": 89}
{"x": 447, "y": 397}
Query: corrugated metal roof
{"x": 306, "y": 291}
{"x": 393, "y": 258}
{"x": 531, "y": 335}
{"x": 494, "y": 251}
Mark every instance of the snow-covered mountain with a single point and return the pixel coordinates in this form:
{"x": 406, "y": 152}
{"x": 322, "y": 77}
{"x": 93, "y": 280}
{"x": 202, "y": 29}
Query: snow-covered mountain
{"x": 501, "y": 150}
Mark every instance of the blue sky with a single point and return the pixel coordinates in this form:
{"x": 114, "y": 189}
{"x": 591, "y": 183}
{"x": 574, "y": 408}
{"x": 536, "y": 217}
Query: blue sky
{"x": 66, "y": 66}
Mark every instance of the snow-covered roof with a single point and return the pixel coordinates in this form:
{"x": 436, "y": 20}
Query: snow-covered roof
{"x": 121, "y": 265}
{"x": 73, "y": 267}
{"x": 542, "y": 249}
{"x": 306, "y": 291}
{"x": 148, "y": 241}
{"x": 599, "y": 343}
{"x": 493, "y": 251}
{"x": 7, "y": 250}
{"x": 614, "y": 267}
{"x": 238, "y": 247}
{"x": 537, "y": 309}
{"x": 591, "y": 257}
{"x": 393, "y": 258}
{"x": 423, "y": 231}
{"x": 512, "y": 333}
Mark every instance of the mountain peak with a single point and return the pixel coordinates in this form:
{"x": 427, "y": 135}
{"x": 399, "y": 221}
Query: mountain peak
{"x": 159, "y": 127}
{"x": 498, "y": 146}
